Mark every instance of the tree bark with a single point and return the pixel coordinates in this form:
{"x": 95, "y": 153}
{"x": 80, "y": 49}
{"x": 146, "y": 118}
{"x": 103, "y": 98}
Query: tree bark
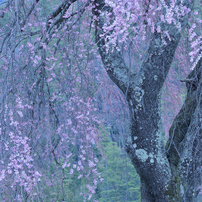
{"x": 170, "y": 173}
{"x": 184, "y": 150}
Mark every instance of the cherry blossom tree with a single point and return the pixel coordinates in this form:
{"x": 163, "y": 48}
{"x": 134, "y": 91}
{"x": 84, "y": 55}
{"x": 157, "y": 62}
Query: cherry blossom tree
{"x": 172, "y": 172}
{"x": 50, "y": 53}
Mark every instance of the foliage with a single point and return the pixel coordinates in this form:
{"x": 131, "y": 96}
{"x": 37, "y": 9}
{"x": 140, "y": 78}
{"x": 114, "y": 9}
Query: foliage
{"x": 121, "y": 182}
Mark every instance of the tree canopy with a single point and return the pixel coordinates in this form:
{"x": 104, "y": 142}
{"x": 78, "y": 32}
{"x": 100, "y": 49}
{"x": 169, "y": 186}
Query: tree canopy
{"x": 58, "y": 105}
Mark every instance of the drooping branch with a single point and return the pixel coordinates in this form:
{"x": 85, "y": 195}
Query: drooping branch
{"x": 62, "y": 8}
{"x": 54, "y": 22}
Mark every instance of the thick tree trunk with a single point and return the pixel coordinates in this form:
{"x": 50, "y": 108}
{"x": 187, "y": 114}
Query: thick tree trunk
{"x": 170, "y": 173}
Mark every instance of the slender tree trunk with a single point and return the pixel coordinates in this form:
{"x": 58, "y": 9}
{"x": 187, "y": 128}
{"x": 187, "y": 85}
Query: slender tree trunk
{"x": 171, "y": 173}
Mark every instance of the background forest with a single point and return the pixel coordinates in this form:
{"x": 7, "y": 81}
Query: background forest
{"x": 63, "y": 122}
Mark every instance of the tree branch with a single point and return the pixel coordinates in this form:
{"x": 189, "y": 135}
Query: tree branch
{"x": 184, "y": 149}
{"x": 112, "y": 59}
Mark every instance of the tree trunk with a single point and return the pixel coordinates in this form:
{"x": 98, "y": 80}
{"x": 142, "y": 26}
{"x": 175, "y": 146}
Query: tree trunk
{"x": 171, "y": 173}
{"x": 183, "y": 148}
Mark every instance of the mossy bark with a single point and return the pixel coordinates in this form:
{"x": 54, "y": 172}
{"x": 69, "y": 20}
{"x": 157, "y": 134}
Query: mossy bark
{"x": 170, "y": 173}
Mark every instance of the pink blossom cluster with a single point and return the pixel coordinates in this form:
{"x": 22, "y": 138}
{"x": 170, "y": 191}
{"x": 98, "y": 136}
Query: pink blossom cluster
{"x": 20, "y": 170}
